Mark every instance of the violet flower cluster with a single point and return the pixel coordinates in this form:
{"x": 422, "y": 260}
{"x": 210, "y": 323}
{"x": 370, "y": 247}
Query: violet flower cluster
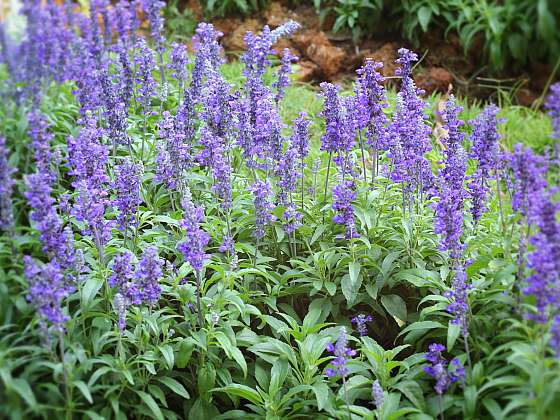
{"x": 449, "y": 209}
{"x": 544, "y": 261}
{"x": 88, "y": 158}
{"x": 128, "y": 177}
{"x": 342, "y": 353}
{"x": 527, "y": 181}
{"x": 282, "y": 79}
{"x": 7, "y": 183}
{"x": 135, "y": 286}
{"x": 343, "y": 196}
{"x": 196, "y": 239}
{"x": 553, "y": 106}
{"x": 174, "y": 155}
{"x": 408, "y": 134}
{"x": 486, "y": 152}
{"x": 263, "y": 207}
{"x": 371, "y": 101}
{"x": 361, "y": 321}
{"x": 444, "y": 373}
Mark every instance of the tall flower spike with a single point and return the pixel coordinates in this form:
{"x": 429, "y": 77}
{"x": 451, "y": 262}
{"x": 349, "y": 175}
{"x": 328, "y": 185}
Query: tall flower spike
{"x": 485, "y": 150}
{"x": 41, "y": 139}
{"x": 6, "y": 187}
{"x": 544, "y": 260}
{"x": 153, "y": 9}
{"x": 553, "y": 106}
{"x": 408, "y": 134}
{"x": 47, "y": 291}
{"x": 196, "y": 240}
{"x": 207, "y": 56}
{"x": 174, "y": 148}
{"x": 145, "y": 66}
{"x": 361, "y": 322}
{"x": 282, "y": 80}
{"x": 124, "y": 280}
{"x": 127, "y": 187}
{"x": 377, "y": 394}
{"x": 343, "y": 196}
{"x": 444, "y": 375}
{"x": 178, "y": 61}
{"x": 449, "y": 210}
{"x": 528, "y": 180}
{"x": 342, "y": 353}
{"x": 262, "y": 202}
{"x": 148, "y": 274}
{"x": 371, "y": 100}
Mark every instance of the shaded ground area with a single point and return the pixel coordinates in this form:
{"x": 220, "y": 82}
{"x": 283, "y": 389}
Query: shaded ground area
{"x": 333, "y": 56}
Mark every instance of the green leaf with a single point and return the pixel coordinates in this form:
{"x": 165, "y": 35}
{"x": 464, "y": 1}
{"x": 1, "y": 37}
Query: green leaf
{"x": 413, "y": 392}
{"x": 396, "y": 307}
{"x": 318, "y": 232}
{"x": 321, "y": 391}
{"x": 21, "y": 386}
{"x": 279, "y": 372}
{"x": 242, "y": 391}
{"x": 453, "y": 331}
{"x": 175, "y": 386}
{"x": 167, "y": 352}
{"x": 81, "y": 385}
{"x": 90, "y": 289}
{"x": 151, "y": 404}
{"x": 351, "y": 282}
{"x": 422, "y": 325}
{"x": 424, "y": 17}
{"x": 185, "y": 352}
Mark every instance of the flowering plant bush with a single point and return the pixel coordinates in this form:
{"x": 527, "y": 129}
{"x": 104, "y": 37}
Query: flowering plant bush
{"x": 181, "y": 244}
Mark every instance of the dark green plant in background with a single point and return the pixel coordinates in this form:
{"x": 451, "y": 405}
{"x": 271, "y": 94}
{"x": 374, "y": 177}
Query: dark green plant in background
{"x": 357, "y": 16}
{"x": 221, "y": 8}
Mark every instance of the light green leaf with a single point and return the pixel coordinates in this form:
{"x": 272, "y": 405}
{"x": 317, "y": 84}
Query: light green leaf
{"x": 81, "y": 385}
{"x": 453, "y": 331}
{"x": 242, "y": 391}
{"x": 175, "y": 386}
{"x": 21, "y": 386}
{"x": 151, "y": 404}
{"x": 396, "y": 307}
{"x": 167, "y": 352}
{"x": 424, "y": 17}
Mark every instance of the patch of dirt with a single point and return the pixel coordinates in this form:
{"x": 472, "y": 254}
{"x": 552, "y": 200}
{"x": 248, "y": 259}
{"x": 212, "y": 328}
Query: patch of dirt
{"x": 434, "y": 79}
{"x": 317, "y": 47}
{"x": 233, "y": 39}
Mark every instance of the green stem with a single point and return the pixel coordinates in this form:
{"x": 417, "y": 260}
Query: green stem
{"x": 198, "y": 299}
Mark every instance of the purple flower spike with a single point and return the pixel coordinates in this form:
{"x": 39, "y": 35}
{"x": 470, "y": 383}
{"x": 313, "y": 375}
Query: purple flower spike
{"x": 544, "y": 260}
{"x": 449, "y": 210}
{"x": 528, "y": 180}
{"x": 377, "y": 394}
{"x": 261, "y": 191}
{"x": 486, "y": 151}
{"x": 371, "y": 100}
{"x": 193, "y": 247}
{"x": 127, "y": 187}
{"x": 553, "y": 106}
{"x": 343, "y": 196}
{"x": 361, "y": 322}
{"x": 153, "y": 8}
{"x": 148, "y": 273}
{"x": 444, "y": 375}
{"x": 409, "y": 135}
{"x": 47, "y": 290}
{"x": 342, "y": 354}
{"x": 6, "y": 186}
{"x": 282, "y": 80}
